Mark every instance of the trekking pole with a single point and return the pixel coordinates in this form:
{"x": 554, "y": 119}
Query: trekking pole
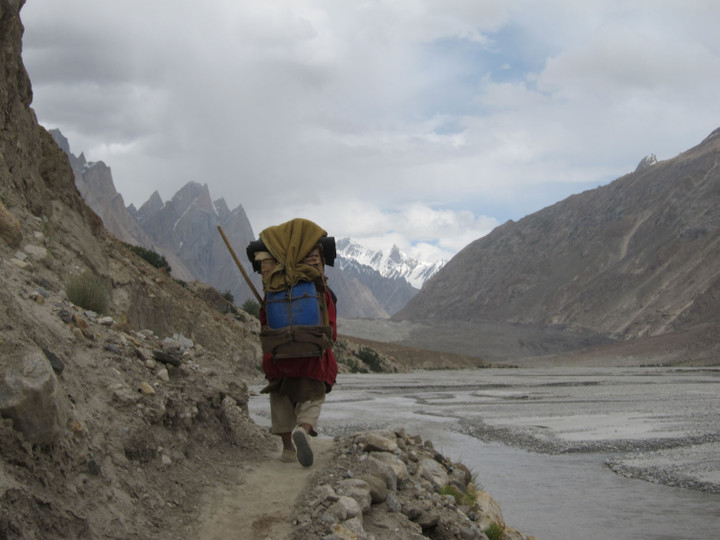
{"x": 242, "y": 270}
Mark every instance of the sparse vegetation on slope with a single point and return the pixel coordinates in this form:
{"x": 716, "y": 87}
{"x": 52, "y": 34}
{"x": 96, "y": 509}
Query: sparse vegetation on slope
{"x": 88, "y": 292}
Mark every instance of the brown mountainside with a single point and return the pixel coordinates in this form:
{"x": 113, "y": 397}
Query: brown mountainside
{"x": 639, "y": 257}
{"x": 86, "y": 411}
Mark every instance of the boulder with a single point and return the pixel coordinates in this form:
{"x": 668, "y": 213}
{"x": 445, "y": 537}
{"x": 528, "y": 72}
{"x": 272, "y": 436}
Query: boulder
{"x": 31, "y": 396}
{"x": 358, "y": 490}
{"x": 434, "y": 472}
{"x": 375, "y": 441}
{"x": 488, "y": 510}
{"x": 350, "y": 507}
{"x": 397, "y": 464}
{"x": 38, "y": 253}
{"x": 10, "y": 229}
{"x": 378, "y": 488}
{"x": 385, "y": 472}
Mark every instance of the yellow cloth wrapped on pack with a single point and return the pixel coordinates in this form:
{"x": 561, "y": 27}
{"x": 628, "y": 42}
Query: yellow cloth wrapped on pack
{"x": 289, "y": 243}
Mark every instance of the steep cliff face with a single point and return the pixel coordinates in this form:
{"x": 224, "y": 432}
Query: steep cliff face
{"x": 36, "y": 179}
{"x": 638, "y": 257}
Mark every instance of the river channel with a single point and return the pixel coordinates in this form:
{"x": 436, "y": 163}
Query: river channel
{"x": 569, "y": 453}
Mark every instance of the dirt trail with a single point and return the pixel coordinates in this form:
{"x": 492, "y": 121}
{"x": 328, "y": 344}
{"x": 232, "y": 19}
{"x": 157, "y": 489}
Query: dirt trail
{"x": 261, "y": 505}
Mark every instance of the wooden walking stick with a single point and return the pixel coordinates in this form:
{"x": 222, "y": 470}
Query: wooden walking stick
{"x": 242, "y": 270}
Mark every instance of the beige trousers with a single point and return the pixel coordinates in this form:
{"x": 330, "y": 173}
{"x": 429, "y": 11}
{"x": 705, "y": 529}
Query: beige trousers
{"x": 285, "y": 415}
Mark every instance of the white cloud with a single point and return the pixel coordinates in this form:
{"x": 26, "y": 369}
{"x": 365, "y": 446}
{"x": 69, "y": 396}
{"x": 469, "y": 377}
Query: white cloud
{"x": 421, "y": 231}
{"x": 416, "y": 122}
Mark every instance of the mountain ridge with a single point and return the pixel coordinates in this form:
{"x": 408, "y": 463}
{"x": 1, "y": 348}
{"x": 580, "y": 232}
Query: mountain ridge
{"x": 394, "y": 265}
{"x": 183, "y": 229}
{"x": 637, "y": 258}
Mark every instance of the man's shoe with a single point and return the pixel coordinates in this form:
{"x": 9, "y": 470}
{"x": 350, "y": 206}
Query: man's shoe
{"x": 304, "y": 452}
{"x": 288, "y": 455}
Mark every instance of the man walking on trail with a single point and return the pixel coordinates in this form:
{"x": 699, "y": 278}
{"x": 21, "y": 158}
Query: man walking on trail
{"x": 297, "y": 384}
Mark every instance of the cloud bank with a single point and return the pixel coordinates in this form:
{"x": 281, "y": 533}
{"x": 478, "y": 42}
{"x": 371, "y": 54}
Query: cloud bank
{"x": 417, "y": 122}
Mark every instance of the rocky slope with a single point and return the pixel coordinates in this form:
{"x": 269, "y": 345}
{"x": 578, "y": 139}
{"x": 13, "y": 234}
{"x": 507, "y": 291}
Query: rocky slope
{"x": 638, "y": 258}
{"x": 87, "y": 413}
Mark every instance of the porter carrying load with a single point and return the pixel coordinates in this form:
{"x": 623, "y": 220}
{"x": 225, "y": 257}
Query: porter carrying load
{"x": 290, "y": 258}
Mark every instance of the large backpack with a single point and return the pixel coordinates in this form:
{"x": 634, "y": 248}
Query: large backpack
{"x": 297, "y": 316}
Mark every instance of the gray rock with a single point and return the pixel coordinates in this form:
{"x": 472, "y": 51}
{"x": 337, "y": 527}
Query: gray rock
{"x": 460, "y": 476}
{"x": 392, "y": 502}
{"x": 355, "y": 526}
{"x": 358, "y": 490}
{"x": 434, "y": 472}
{"x": 428, "y": 520}
{"x": 38, "y": 253}
{"x": 185, "y": 343}
{"x": 336, "y": 512}
{"x": 10, "y": 228}
{"x": 31, "y": 396}
{"x": 113, "y": 349}
{"x": 325, "y": 492}
{"x": 384, "y": 471}
{"x": 351, "y": 506}
{"x": 412, "y": 511}
{"x": 167, "y": 358}
{"x": 171, "y": 346}
{"x": 378, "y": 488}
{"x": 397, "y": 465}
{"x": 347, "y": 530}
{"x": 329, "y": 516}
{"x": 374, "y": 441}
{"x": 55, "y": 362}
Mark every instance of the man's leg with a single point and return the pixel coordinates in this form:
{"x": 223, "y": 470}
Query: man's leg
{"x": 282, "y": 416}
{"x": 307, "y": 414}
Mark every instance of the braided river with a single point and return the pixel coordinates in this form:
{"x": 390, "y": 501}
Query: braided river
{"x": 568, "y": 453}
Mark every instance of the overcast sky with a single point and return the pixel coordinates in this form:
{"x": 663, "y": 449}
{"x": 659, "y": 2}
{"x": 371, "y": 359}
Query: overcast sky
{"x": 420, "y": 122}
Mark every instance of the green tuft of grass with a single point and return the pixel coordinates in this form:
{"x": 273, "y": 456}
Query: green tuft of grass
{"x": 152, "y": 257}
{"x": 494, "y": 531}
{"x": 252, "y": 307}
{"x": 88, "y": 292}
{"x": 463, "y": 498}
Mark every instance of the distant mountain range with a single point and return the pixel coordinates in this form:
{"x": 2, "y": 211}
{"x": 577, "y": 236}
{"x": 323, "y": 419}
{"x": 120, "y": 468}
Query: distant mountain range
{"x": 628, "y": 269}
{"x": 393, "y": 265}
{"x": 183, "y": 229}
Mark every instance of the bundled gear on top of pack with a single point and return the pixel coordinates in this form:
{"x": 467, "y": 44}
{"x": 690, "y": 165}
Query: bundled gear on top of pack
{"x": 290, "y": 258}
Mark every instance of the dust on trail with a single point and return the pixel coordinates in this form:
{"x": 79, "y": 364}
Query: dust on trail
{"x": 260, "y": 506}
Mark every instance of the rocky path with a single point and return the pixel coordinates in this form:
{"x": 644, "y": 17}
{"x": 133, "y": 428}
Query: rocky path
{"x": 261, "y": 505}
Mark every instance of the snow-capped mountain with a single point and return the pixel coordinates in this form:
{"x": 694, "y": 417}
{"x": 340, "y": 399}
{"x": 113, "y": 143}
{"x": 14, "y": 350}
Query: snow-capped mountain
{"x": 393, "y": 265}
